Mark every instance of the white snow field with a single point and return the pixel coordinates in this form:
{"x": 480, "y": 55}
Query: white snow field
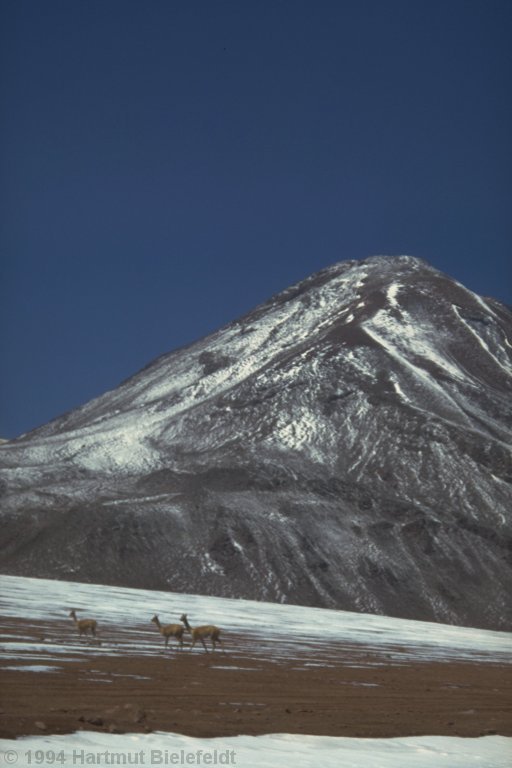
{"x": 281, "y": 631}
{"x": 124, "y": 623}
{"x": 272, "y": 751}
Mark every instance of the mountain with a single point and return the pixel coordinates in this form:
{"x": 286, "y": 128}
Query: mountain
{"x": 346, "y": 445}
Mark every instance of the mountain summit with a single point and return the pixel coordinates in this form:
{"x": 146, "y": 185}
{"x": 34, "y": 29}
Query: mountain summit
{"x": 346, "y": 444}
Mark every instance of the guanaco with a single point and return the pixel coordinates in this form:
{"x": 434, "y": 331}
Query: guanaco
{"x": 200, "y": 633}
{"x": 169, "y": 630}
{"x": 84, "y": 625}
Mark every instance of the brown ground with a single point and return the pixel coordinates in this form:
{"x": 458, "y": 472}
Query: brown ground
{"x": 246, "y": 691}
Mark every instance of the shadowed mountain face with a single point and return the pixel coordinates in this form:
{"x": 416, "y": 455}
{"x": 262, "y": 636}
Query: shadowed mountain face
{"x": 346, "y": 444}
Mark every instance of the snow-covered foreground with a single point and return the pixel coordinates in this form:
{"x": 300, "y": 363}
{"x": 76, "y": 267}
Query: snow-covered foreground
{"x": 272, "y": 751}
{"x": 282, "y": 631}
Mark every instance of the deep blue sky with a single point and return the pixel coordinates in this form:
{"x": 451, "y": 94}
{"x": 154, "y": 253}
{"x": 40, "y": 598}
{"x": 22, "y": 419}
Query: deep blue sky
{"x": 166, "y": 165}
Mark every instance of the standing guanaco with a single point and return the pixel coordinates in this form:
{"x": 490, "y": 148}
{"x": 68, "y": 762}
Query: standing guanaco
{"x": 84, "y": 625}
{"x": 201, "y": 633}
{"x": 169, "y": 630}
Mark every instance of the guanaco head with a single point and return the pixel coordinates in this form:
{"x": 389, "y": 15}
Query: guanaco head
{"x": 156, "y": 620}
{"x": 184, "y": 619}
{"x": 72, "y": 614}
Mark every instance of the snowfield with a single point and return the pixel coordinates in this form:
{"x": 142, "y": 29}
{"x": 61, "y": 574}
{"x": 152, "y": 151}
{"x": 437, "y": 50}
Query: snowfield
{"x": 279, "y": 630}
{"x": 272, "y": 751}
